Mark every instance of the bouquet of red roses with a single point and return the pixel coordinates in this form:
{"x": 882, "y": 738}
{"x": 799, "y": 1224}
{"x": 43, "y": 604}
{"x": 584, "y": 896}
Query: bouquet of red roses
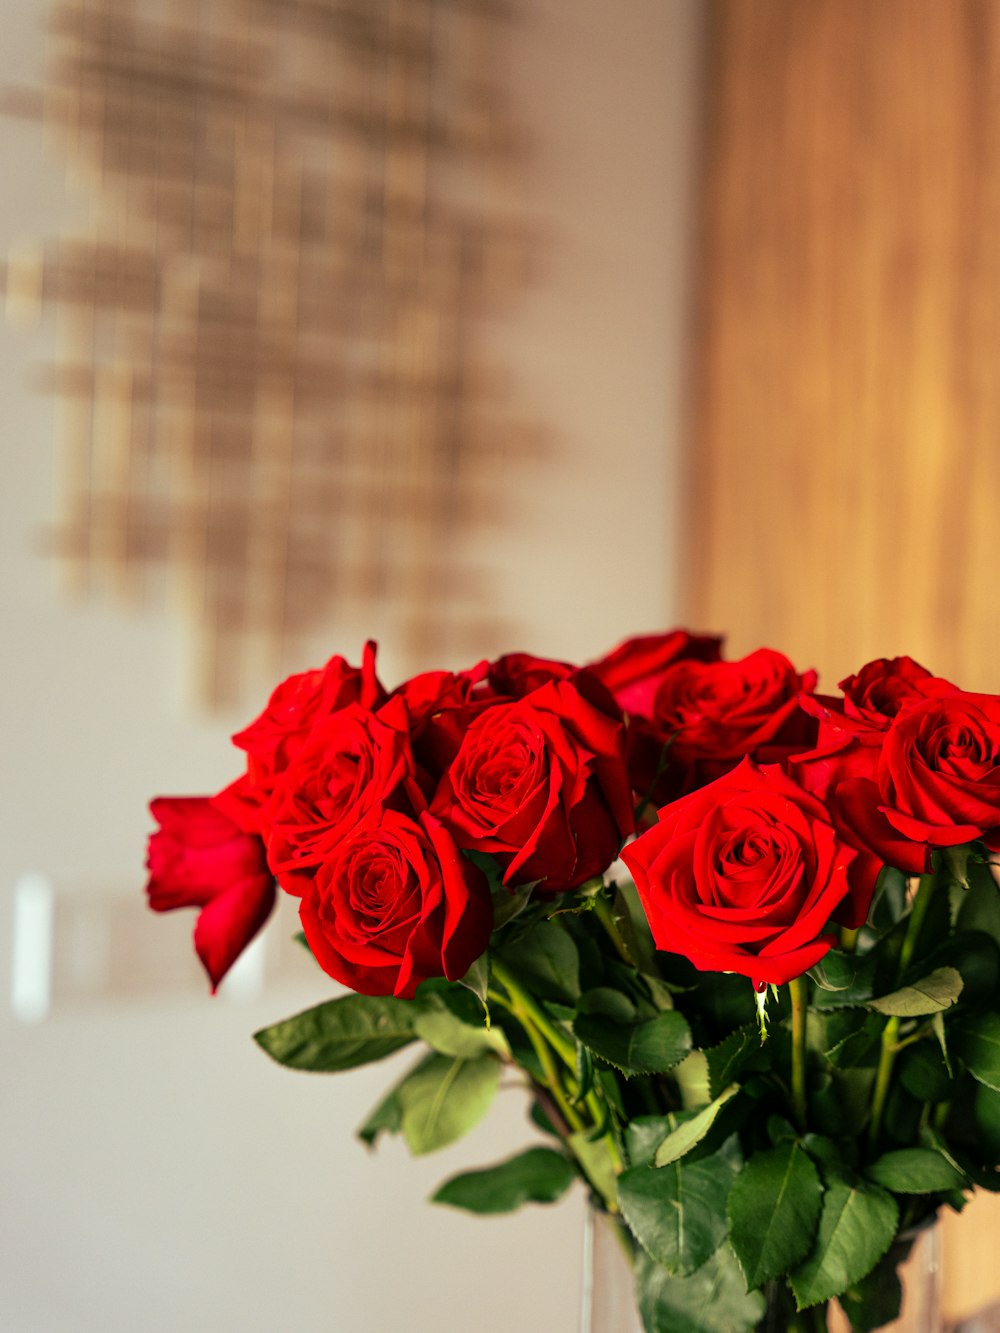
{"x": 741, "y": 939}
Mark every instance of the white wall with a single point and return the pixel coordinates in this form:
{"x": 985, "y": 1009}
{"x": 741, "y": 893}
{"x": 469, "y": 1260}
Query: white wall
{"x": 156, "y": 1171}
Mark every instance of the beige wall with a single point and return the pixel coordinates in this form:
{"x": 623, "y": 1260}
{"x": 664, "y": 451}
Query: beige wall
{"x": 158, "y": 1173}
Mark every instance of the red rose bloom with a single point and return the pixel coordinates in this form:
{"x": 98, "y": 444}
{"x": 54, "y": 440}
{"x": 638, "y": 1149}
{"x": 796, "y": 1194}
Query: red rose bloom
{"x": 395, "y": 903}
{"x": 440, "y": 705}
{"x": 350, "y": 762}
{"x": 517, "y": 674}
{"x": 745, "y": 875}
{"x": 881, "y": 689}
{"x": 852, "y": 729}
{"x": 200, "y": 858}
{"x": 297, "y": 705}
{"x": 706, "y": 716}
{"x": 633, "y": 670}
{"x": 937, "y": 783}
{"x": 541, "y": 784}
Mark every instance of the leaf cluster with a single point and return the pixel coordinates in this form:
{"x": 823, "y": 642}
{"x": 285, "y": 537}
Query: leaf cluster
{"x": 785, "y": 1172}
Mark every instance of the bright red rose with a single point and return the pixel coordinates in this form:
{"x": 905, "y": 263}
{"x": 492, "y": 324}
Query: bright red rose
{"x": 882, "y": 688}
{"x": 350, "y": 762}
{"x": 633, "y": 670}
{"x": 296, "y": 706}
{"x": 541, "y": 784}
{"x": 710, "y": 715}
{"x": 746, "y": 875}
{"x": 200, "y": 858}
{"x": 517, "y": 674}
{"x": 937, "y": 783}
{"x": 440, "y": 706}
{"x": 852, "y": 729}
{"x": 395, "y": 903}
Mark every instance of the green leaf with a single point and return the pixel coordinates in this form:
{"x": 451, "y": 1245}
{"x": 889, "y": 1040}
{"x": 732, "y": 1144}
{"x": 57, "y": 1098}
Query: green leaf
{"x": 711, "y": 1300}
{"x": 443, "y": 1098}
{"x": 738, "y": 1053}
{"x": 773, "y": 1209}
{"x": 856, "y": 1227}
{"x": 677, "y": 1213}
{"x": 386, "y": 1117}
{"x": 546, "y": 961}
{"x": 341, "y": 1034}
{"x": 875, "y": 1300}
{"x": 978, "y": 1043}
{"x": 980, "y": 908}
{"x": 650, "y": 1046}
{"x": 692, "y": 1131}
{"x": 843, "y": 980}
{"x": 915, "y": 1171}
{"x": 445, "y": 1032}
{"x": 477, "y": 980}
{"x": 691, "y": 1077}
{"x": 924, "y": 1074}
{"x": 644, "y": 1134}
{"x": 537, "y": 1175}
{"x": 930, "y": 995}
{"x": 987, "y": 1106}
{"x": 849, "y": 1035}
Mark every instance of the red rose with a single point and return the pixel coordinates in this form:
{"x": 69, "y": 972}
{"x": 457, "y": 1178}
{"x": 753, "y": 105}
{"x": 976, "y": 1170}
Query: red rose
{"x": 350, "y": 762}
{"x": 745, "y": 875}
{"x": 440, "y": 705}
{"x": 200, "y": 858}
{"x": 882, "y": 688}
{"x": 297, "y": 705}
{"x": 541, "y": 784}
{"x": 852, "y": 729}
{"x": 937, "y": 783}
{"x": 633, "y": 670}
{"x": 517, "y": 674}
{"x": 394, "y": 903}
{"x": 712, "y": 714}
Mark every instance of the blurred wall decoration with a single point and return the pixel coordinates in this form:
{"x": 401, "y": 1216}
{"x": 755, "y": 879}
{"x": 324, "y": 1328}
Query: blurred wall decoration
{"x": 848, "y": 402}
{"x": 276, "y": 402}
{"x": 848, "y": 413}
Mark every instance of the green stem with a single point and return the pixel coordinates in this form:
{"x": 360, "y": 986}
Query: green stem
{"x": 890, "y": 1033}
{"x": 531, "y": 1014}
{"x": 848, "y": 939}
{"x": 560, "y": 1042}
{"x": 798, "y": 989}
{"x": 921, "y": 902}
{"x": 886, "y": 1060}
{"x": 543, "y": 1051}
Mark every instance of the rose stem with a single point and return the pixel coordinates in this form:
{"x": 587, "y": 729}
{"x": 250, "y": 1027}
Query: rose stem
{"x": 798, "y": 990}
{"x": 527, "y": 1007}
{"x": 890, "y": 1033}
{"x": 544, "y": 1053}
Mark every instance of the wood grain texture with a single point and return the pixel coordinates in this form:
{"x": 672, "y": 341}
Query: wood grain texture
{"x": 847, "y": 407}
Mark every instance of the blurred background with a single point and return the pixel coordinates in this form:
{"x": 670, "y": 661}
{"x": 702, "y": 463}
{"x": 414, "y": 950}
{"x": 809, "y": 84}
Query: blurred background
{"x": 468, "y": 326}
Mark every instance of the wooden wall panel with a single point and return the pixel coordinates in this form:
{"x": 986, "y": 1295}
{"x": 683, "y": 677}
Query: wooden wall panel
{"x": 846, "y": 471}
{"x": 847, "y": 417}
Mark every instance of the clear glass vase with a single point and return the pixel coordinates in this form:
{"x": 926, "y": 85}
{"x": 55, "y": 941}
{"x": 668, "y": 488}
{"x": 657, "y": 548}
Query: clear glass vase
{"x": 608, "y": 1298}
